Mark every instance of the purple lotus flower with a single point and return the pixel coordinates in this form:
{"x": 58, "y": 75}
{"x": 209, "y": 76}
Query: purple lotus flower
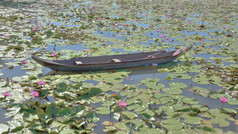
{"x": 41, "y": 82}
{"x": 24, "y": 62}
{"x": 122, "y": 104}
{"x": 155, "y": 64}
{"x": 35, "y": 94}
{"x": 223, "y": 100}
{"x": 6, "y": 36}
{"x": 6, "y": 94}
{"x": 53, "y": 54}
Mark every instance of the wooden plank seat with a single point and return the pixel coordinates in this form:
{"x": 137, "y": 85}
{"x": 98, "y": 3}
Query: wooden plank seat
{"x": 116, "y": 60}
{"x": 78, "y": 62}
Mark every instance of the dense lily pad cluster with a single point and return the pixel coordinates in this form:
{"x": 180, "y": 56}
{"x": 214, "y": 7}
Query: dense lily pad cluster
{"x": 198, "y": 93}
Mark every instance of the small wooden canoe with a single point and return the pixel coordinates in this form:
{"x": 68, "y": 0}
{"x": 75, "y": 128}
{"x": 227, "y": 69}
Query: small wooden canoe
{"x": 110, "y": 61}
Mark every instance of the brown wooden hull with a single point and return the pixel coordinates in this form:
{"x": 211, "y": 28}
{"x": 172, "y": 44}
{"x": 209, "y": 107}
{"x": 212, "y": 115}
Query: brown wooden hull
{"x": 105, "y": 62}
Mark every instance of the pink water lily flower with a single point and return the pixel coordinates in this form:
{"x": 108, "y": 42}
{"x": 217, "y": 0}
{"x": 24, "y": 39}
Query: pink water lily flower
{"x": 35, "y": 94}
{"x": 122, "y": 104}
{"x": 53, "y": 54}
{"x": 33, "y": 29}
{"x": 41, "y": 82}
{"x": 6, "y": 36}
{"x": 24, "y": 62}
{"x": 202, "y": 39}
{"x": 6, "y": 94}
{"x": 99, "y": 18}
{"x": 223, "y": 100}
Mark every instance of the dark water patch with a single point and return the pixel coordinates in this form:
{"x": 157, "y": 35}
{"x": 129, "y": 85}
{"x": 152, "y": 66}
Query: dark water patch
{"x": 3, "y": 118}
{"x": 75, "y": 47}
{"x": 15, "y": 71}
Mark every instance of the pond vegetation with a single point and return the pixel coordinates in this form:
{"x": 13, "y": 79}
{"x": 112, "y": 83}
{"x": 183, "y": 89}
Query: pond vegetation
{"x": 197, "y": 93}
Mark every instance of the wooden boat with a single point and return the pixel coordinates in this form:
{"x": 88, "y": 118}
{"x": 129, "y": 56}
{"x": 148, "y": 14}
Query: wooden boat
{"x": 110, "y": 61}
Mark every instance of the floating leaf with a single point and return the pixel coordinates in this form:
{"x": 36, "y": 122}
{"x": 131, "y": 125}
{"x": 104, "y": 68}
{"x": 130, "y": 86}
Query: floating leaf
{"x": 52, "y": 110}
{"x": 64, "y": 111}
{"x": 67, "y": 131}
{"x": 233, "y": 102}
{"x": 191, "y": 101}
{"x": 130, "y": 115}
{"x": 177, "y": 85}
{"x": 172, "y": 124}
{"x": 163, "y": 70}
{"x": 230, "y": 111}
{"x": 95, "y": 91}
{"x": 172, "y": 91}
{"x": 103, "y": 110}
{"x": 191, "y": 119}
{"x": 3, "y": 128}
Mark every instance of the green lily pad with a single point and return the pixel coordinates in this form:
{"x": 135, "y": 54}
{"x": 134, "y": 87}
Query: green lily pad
{"x": 175, "y": 85}
{"x": 191, "y": 119}
{"x": 172, "y": 124}
{"x": 3, "y": 128}
{"x": 233, "y": 102}
{"x": 103, "y": 110}
{"x": 191, "y": 101}
{"x": 172, "y": 91}
{"x": 67, "y": 131}
{"x": 230, "y": 111}
{"x": 130, "y": 115}
{"x": 152, "y": 83}
{"x": 163, "y": 70}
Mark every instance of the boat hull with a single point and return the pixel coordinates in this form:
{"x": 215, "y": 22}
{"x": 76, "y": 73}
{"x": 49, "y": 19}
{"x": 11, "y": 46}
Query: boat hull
{"x": 69, "y": 65}
{"x": 104, "y": 67}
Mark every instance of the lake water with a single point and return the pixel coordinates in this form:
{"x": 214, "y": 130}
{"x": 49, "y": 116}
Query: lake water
{"x": 96, "y": 28}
